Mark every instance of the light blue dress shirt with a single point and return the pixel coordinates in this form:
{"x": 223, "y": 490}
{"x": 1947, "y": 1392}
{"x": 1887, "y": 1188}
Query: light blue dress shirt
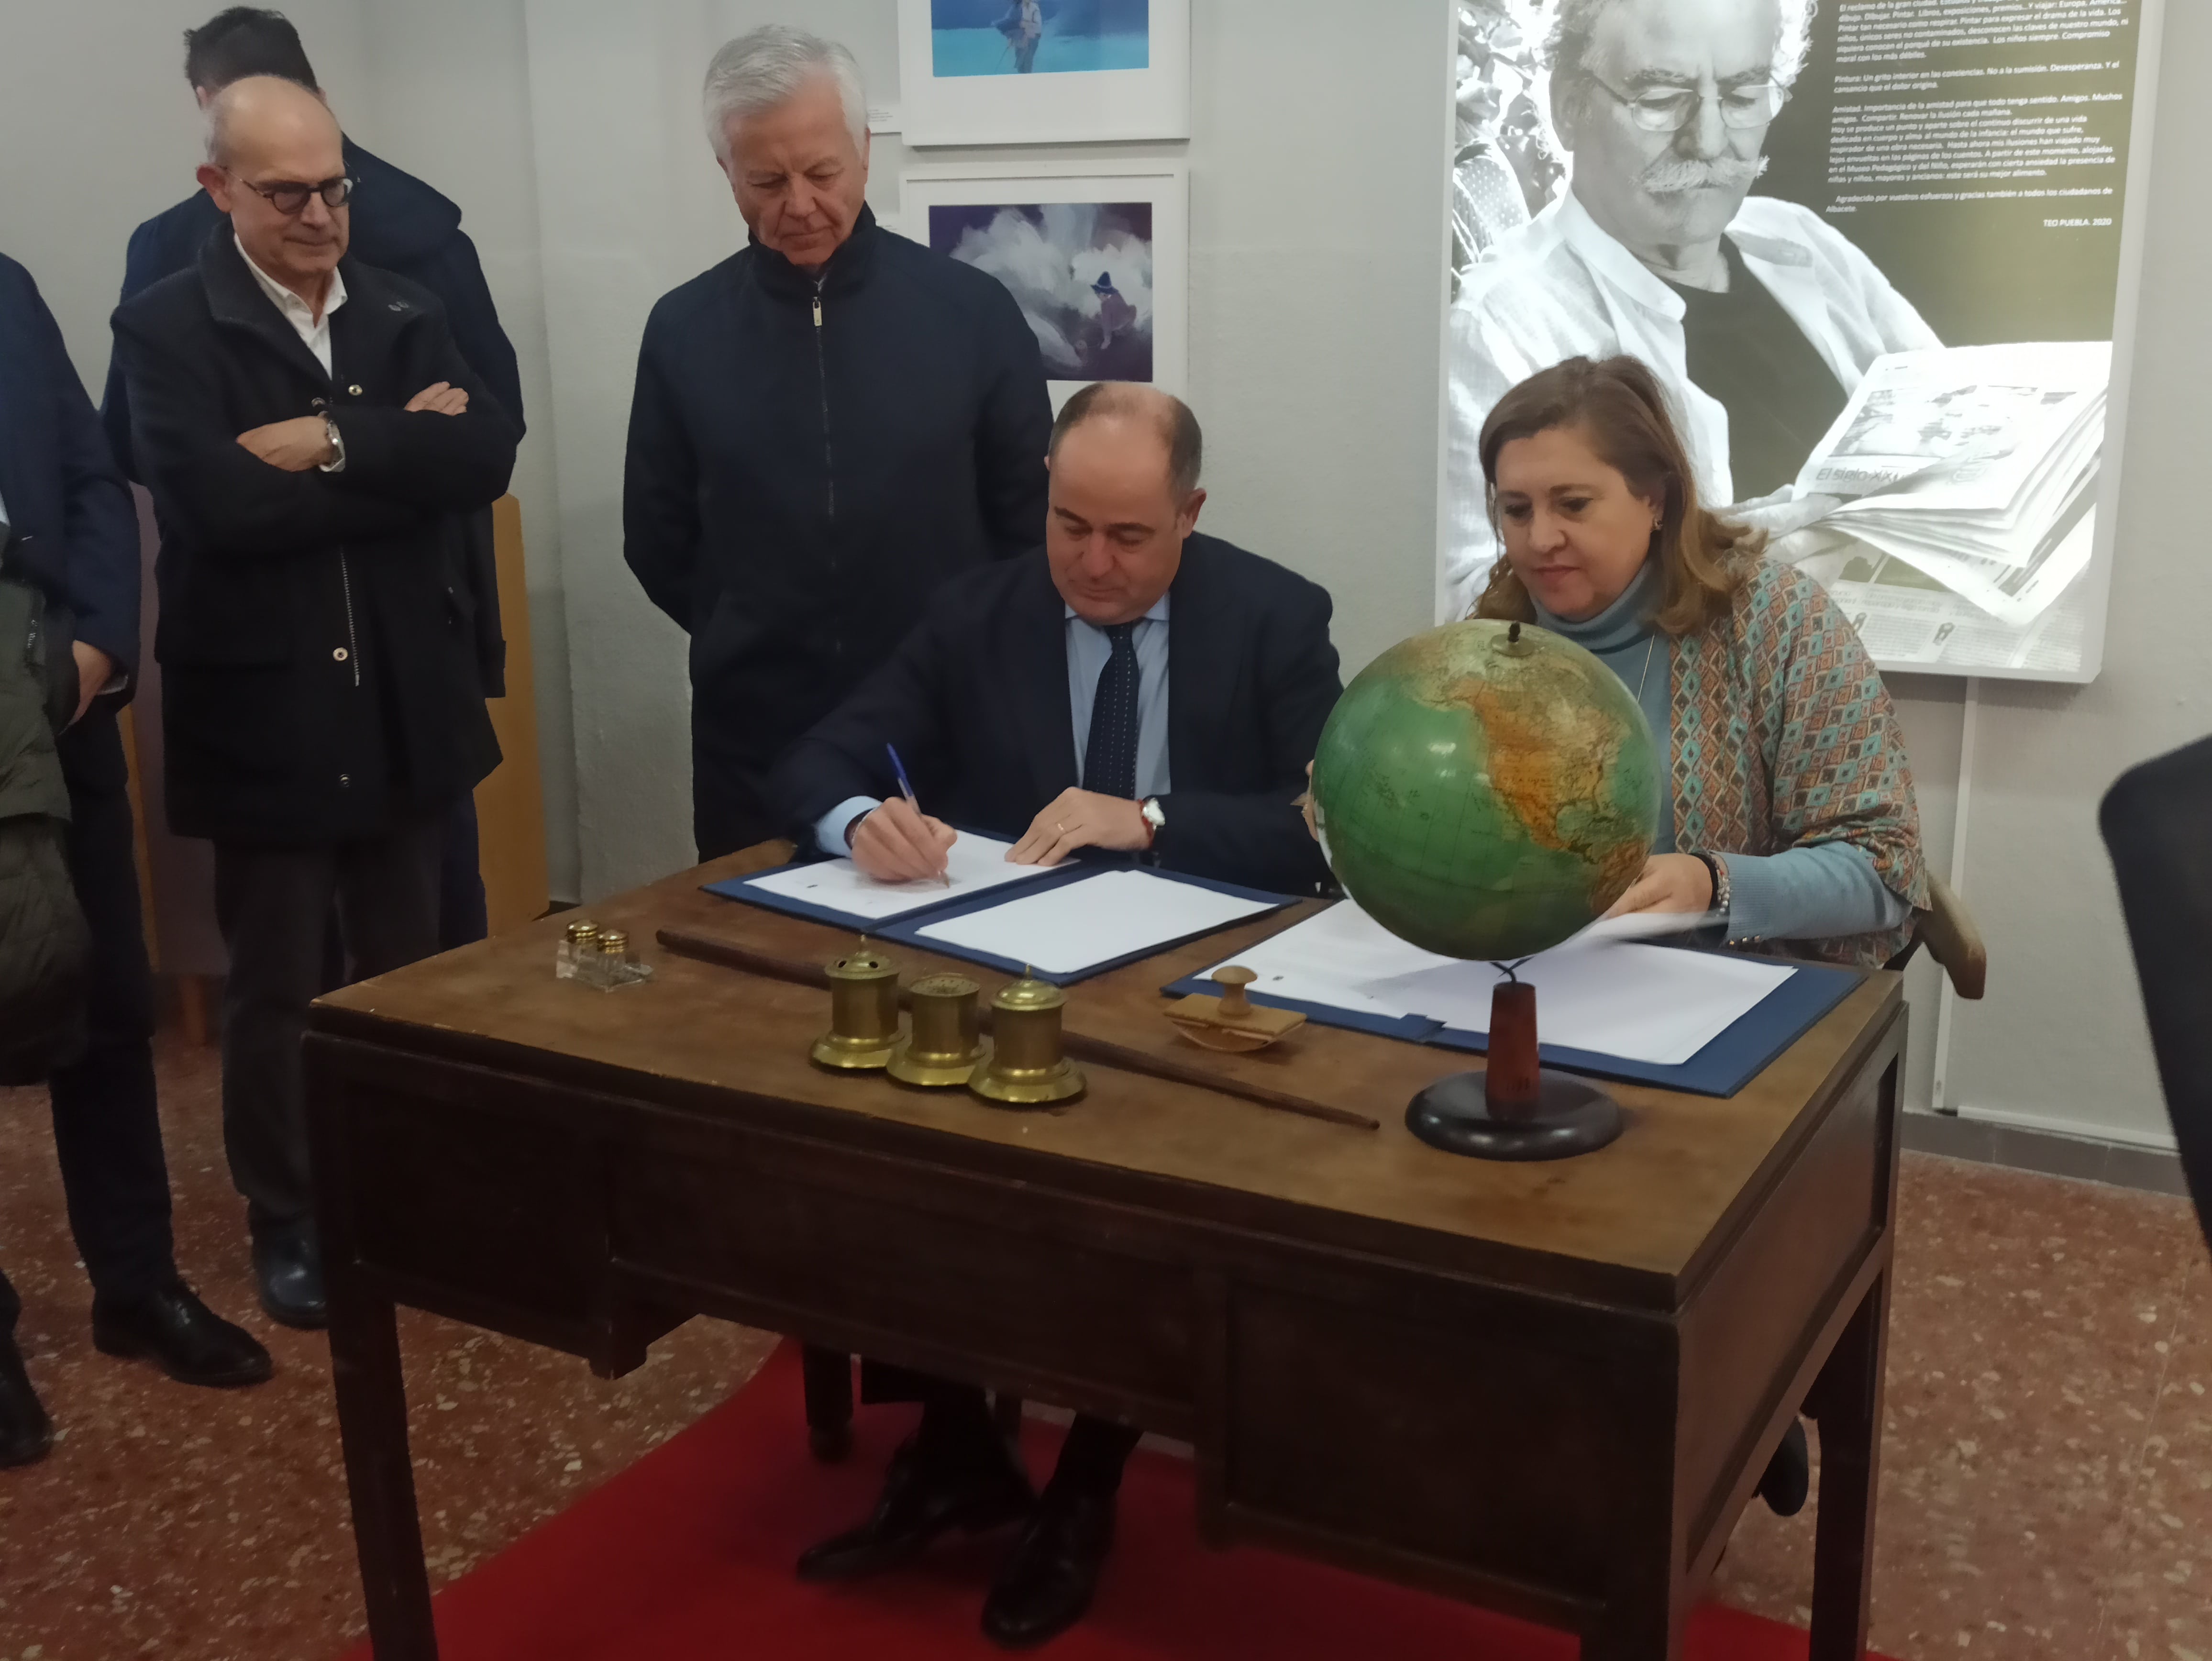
{"x": 1088, "y": 649}
{"x": 1829, "y": 889}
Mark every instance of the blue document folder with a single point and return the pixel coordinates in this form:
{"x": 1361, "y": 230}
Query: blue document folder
{"x": 747, "y": 889}
{"x": 908, "y": 929}
{"x": 1723, "y": 1066}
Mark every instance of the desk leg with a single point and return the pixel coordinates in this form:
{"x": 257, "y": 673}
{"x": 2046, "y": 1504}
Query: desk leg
{"x": 1644, "y": 1614}
{"x": 829, "y": 1379}
{"x": 1846, "y": 1402}
{"x": 372, "y": 1422}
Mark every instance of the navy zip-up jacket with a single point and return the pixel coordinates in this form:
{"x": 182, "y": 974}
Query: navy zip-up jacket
{"x": 76, "y": 534}
{"x": 399, "y": 224}
{"x": 808, "y": 461}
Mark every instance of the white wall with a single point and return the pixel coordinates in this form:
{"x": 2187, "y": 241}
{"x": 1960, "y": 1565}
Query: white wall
{"x": 2061, "y": 1040}
{"x": 2059, "y": 1043}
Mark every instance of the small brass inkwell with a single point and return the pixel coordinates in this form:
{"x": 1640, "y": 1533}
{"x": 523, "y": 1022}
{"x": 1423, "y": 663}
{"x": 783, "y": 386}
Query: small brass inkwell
{"x": 1027, "y": 1067}
{"x": 864, "y": 1013}
{"x": 944, "y": 1044}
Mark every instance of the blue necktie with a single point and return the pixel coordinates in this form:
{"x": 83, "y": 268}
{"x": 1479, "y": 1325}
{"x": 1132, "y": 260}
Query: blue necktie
{"x": 1109, "y": 760}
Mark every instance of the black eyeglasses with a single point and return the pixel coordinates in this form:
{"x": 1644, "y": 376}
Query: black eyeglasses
{"x": 291, "y": 199}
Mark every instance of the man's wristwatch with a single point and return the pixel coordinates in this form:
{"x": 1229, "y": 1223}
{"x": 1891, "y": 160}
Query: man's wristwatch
{"x": 1155, "y": 818}
{"x": 336, "y": 463}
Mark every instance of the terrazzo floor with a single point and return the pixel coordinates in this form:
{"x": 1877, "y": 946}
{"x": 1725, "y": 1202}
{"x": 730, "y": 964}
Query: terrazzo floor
{"x": 2046, "y": 1485}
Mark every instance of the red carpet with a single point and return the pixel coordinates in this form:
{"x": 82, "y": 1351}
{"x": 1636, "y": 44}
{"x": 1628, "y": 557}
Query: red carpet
{"x": 689, "y": 1553}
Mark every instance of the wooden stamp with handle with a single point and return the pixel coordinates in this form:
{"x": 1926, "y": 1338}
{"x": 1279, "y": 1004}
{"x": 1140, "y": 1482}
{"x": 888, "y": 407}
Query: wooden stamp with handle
{"x": 1232, "y": 1021}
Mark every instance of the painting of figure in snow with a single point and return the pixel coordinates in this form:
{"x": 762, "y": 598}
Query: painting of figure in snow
{"x": 1038, "y": 37}
{"x": 1082, "y": 272}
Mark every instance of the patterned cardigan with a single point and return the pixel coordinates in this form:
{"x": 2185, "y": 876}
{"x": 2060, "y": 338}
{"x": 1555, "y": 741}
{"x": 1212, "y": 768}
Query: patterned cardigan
{"x": 1784, "y": 737}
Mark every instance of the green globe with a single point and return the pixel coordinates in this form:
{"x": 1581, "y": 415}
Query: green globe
{"x": 1484, "y": 789}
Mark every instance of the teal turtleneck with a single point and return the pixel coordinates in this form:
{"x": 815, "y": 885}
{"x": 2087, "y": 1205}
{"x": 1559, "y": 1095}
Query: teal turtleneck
{"x": 1622, "y": 638}
{"x": 1801, "y": 893}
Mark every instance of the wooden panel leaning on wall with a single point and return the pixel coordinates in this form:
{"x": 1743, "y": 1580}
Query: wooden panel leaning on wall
{"x": 510, "y": 804}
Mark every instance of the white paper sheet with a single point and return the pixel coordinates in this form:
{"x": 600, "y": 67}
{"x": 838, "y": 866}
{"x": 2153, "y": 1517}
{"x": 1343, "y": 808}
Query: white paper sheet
{"x": 1113, "y": 914}
{"x": 1639, "y": 1003}
{"x": 974, "y": 864}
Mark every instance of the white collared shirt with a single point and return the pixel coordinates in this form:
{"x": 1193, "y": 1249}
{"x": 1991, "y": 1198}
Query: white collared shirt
{"x": 314, "y": 332}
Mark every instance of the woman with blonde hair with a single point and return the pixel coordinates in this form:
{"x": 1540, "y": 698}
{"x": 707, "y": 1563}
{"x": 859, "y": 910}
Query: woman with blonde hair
{"x": 1791, "y": 812}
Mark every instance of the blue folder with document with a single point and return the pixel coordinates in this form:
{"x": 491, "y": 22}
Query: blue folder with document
{"x": 1060, "y": 923}
{"x": 1606, "y": 1003}
{"x": 1705, "y": 1022}
{"x": 835, "y": 891}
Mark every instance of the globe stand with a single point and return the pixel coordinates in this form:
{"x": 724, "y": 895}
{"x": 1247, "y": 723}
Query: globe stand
{"x": 1514, "y": 1108}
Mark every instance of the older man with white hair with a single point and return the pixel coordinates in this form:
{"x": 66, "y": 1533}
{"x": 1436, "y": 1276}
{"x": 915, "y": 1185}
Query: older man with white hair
{"x": 826, "y": 426}
{"x": 1758, "y": 317}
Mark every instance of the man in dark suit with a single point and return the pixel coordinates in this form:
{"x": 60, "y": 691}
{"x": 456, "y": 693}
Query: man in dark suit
{"x": 315, "y": 444}
{"x": 826, "y": 426}
{"x": 399, "y": 224}
{"x": 1134, "y": 687}
{"x": 67, "y": 528}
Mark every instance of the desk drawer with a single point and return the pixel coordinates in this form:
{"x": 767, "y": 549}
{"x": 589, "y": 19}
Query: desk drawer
{"x": 1483, "y": 1448}
{"x": 959, "y": 1265}
{"x": 499, "y": 1208}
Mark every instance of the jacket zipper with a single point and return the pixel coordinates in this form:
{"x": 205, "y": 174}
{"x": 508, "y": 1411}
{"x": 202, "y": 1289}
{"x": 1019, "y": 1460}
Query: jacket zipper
{"x": 822, "y": 373}
{"x": 353, "y": 645}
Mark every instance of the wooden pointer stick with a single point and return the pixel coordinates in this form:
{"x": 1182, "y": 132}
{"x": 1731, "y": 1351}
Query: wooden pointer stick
{"x": 707, "y": 948}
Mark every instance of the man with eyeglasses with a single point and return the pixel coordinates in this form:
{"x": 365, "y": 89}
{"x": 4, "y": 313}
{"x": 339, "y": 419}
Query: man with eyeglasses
{"x": 399, "y": 224}
{"x": 1758, "y": 317}
{"x": 315, "y": 445}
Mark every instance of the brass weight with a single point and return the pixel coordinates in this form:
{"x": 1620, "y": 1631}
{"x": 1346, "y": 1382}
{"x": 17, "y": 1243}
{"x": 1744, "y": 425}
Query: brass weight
{"x": 1027, "y": 1068}
{"x": 864, "y": 1013}
{"x": 944, "y": 1045}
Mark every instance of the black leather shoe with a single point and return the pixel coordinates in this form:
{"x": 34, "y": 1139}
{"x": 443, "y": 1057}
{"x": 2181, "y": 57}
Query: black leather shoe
{"x": 26, "y": 1433}
{"x": 180, "y": 1334}
{"x": 924, "y": 1495}
{"x": 1043, "y": 1589}
{"x": 1789, "y": 1479}
{"x": 288, "y": 1265}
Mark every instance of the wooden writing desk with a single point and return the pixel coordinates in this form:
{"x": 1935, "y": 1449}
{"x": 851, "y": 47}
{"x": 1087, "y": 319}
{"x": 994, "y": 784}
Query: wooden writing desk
{"x": 1546, "y": 1388}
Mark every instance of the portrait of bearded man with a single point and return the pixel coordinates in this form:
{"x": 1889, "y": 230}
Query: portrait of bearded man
{"x": 1758, "y": 317}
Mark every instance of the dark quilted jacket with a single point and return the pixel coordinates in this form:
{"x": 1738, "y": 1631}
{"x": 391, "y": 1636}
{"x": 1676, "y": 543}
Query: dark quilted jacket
{"x": 44, "y": 946}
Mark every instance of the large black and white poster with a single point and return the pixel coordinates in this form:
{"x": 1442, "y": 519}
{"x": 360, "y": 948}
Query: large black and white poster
{"x": 1873, "y": 248}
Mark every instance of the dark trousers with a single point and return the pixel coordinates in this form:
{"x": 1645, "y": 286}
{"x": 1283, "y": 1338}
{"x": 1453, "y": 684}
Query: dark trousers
{"x": 107, "y": 1132}
{"x": 272, "y": 904}
{"x": 462, "y": 918}
{"x": 956, "y": 1417}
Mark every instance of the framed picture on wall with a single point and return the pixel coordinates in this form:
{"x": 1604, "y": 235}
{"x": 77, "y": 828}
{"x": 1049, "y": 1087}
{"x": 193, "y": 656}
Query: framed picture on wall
{"x": 1895, "y": 325}
{"x": 1043, "y": 71}
{"x": 1097, "y": 256}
